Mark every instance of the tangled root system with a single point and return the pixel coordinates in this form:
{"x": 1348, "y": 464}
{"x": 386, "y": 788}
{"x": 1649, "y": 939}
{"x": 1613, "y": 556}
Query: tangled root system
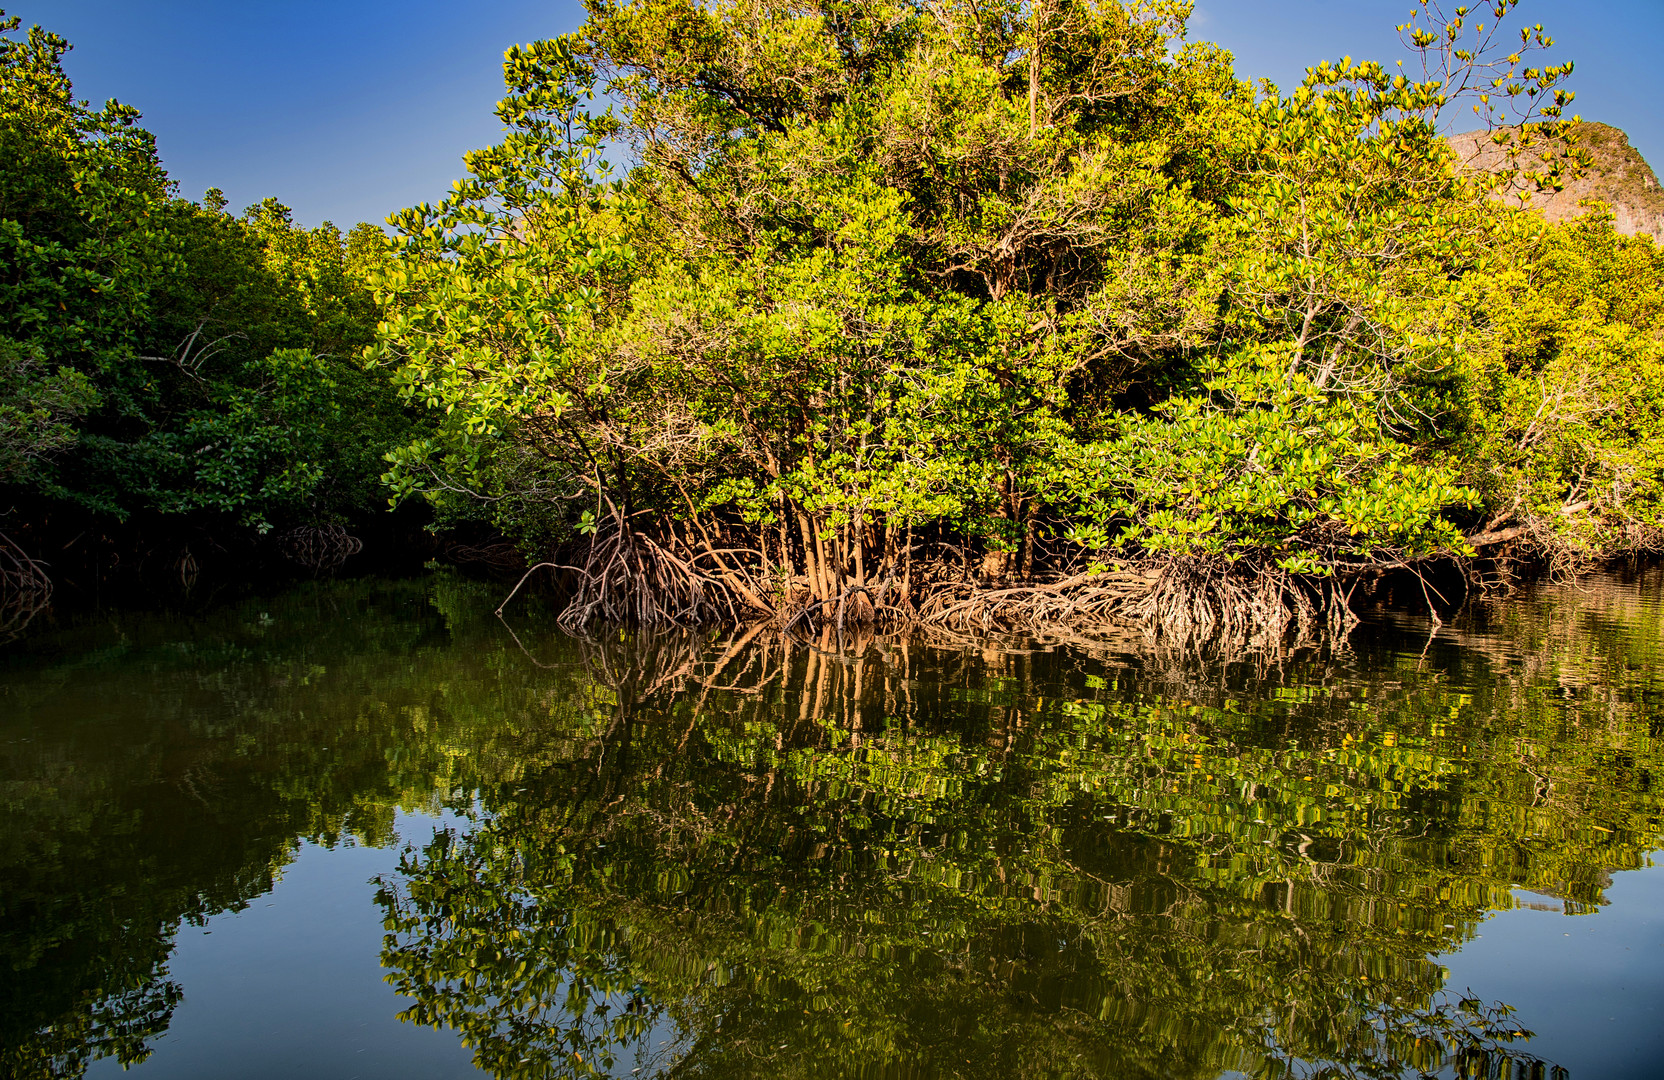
{"x": 1198, "y": 603}
{"x": 622, "y": 576}
{"x": 625, "y": 577}
{"x": 319, "y": 547}
{"x": 1179, "y": 602}
{"x": 1084, "y": 600}
{"x": 25, "y": 590}
{"x": 498, "y": 556}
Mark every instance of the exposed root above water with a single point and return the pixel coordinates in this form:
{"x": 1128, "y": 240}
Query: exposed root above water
{"x": 623, "y": 576}
{"x": 1082, "y": 600}
{"x": 25, "y": 589}
{"x": 319, "y": 548}
{"x": 1180, "y": 602}
{"x": 1198, "y": 602}
{"x": 620, "y": 575}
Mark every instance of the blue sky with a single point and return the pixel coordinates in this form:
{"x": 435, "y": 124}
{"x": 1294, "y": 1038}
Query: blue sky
{"x": 348, "y": 110}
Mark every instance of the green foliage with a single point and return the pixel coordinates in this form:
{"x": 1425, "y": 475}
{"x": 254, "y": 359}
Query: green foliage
{"x": 79, "y": 194}
{"x": 1264, "y": 463}
{"x": 1564, "y": 414}
{"x": 522, "y": 259}
{"x": 167, "y": 360}
{"x": 1020, "y": 289}
{"x": 246, "y": 401}
{"x": 1022, "y": 283}
{"x": 37, "y": 408}
{"x": 795, "y": 366}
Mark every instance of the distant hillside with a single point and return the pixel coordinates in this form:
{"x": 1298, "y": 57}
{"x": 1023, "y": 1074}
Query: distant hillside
{"x": 1619, "y": 176}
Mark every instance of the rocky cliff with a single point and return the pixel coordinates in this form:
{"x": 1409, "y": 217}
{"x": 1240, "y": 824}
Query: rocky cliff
{"x": 1618, "y": 175}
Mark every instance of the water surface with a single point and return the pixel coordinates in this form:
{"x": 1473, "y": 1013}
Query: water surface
{"x": 363, "y": 829}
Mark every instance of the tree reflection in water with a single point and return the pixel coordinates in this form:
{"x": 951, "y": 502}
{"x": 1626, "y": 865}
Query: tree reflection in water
{"x": 770, "y": 858}
{"x": 756, "y": 856}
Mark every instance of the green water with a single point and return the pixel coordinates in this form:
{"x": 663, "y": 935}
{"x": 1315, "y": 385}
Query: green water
{"x": 364, "y": 829}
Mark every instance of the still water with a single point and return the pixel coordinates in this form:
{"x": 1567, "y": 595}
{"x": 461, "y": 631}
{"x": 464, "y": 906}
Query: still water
{"x": 364, "y": 829}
